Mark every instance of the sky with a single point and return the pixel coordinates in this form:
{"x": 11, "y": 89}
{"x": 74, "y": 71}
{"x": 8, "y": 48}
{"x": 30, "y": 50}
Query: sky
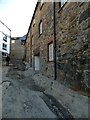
{"x": 17, "y": 14}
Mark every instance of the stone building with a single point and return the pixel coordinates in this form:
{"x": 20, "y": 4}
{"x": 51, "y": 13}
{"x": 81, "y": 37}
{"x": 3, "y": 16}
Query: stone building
{"x": 17, "y": 48}
{"x": 57, "y": 42}
{"x": 38, "y": 39}
{"x": 72, "y": 38}
{"x": 27, "y": 49}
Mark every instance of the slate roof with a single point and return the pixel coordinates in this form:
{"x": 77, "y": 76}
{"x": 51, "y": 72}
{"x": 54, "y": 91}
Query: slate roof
{"x": 23, "y": 38}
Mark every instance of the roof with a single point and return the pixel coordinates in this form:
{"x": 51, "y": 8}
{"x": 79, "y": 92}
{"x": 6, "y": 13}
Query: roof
{"x": 32, "y": 19}
{"x": 15, "y": 38}
{"x": 23, "y": 38}
{"x": 19, "y": 38}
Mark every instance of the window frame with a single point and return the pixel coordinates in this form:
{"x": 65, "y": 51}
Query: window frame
{"x": 4, "y": 54}
{"x": 40, "y": 27}
{"x": 32, "y": 39}
{"x": 41, "y": 4}
{"x": 50, "y": 59}
{"x": 61, "y": 4}
{"x": 4, "y": 46}
{"x": 5, "y": 38}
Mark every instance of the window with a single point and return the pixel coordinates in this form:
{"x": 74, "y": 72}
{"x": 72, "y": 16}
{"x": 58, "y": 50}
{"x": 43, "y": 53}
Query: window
{"x": 41, "y": 3}
{"x": 4, "y": 46}
{"x": 62, "y": 2}
{"x": 40, "y": 27}
{"x": 32, "y": 40}
{"x": 4, "y": 54}
{"x": 5, "y": 38}
{"x": 13, "y": 41}
{"x": 50, "y": 51}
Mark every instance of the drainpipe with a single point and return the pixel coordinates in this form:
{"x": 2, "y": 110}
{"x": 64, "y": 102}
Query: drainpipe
{"x": 54, "y": 26}
{"x": 10, "y": 42}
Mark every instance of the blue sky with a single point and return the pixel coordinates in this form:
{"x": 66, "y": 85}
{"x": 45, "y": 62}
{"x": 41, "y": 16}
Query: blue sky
{"x": 17, "y": 14}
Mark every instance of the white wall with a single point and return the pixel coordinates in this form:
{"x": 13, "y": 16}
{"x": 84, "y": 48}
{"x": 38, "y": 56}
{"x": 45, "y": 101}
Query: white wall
{"x": 1, "y": 36}
{"x": 8, "y": 45}
{"x": 4, "y": 31}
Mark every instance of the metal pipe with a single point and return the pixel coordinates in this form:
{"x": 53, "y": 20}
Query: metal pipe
{"x": 54, "y": 21}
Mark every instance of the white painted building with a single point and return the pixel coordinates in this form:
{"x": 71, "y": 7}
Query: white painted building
{"x": 5, "y": 34}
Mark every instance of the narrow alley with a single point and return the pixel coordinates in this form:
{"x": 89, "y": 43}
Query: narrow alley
{"x": 23, "y": 99}
{"x": 44, "y": 59}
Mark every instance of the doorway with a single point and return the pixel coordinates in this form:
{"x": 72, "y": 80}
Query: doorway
{"x": 37, "y": 62}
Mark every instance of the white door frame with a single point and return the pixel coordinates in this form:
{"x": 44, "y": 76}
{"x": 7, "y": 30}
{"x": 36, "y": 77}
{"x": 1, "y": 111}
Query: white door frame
{"x": 37, "y": 62}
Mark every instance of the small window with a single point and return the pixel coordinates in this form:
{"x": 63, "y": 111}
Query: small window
{"x": 4, "y": 54}
{"x": 32, "y": 40}
{"x": 41, "y": 3}
{"x": 40, "y": 27}
{"x": 5, "y": 38}
{"x": 62, "y": 2}
{"x": 4, "y": 46}
{"x": 50, "y": 51}
{"x": 13, "y": 41}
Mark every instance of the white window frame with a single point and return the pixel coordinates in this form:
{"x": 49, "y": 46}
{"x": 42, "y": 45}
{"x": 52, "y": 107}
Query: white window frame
{"x": 50, "y": 52}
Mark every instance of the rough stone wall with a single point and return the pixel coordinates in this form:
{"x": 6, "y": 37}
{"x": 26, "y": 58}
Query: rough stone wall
{"x": 41, "y": 41}
{"x": 72, "y": 35}
{"x": 27, "y": 49}
{"x": 72, "y": 38}
{"x": 17, "y": 50}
